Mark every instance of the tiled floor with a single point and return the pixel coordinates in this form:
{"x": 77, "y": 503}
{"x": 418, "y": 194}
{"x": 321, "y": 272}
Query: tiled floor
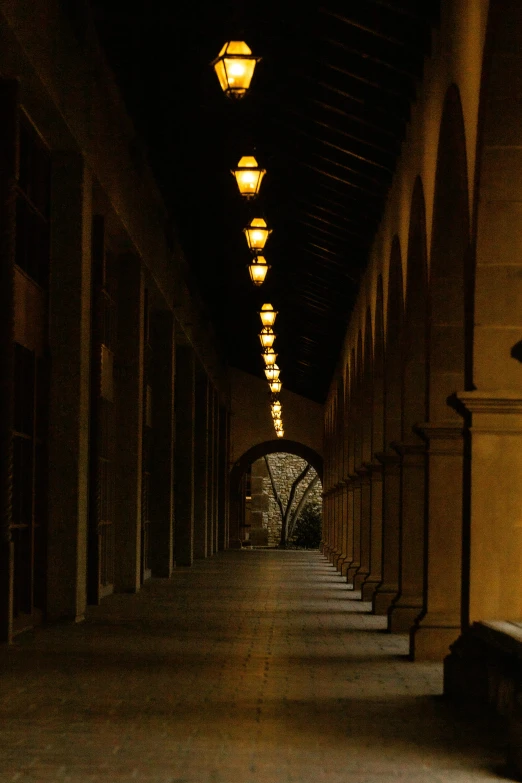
{"x": 251, "y": 667}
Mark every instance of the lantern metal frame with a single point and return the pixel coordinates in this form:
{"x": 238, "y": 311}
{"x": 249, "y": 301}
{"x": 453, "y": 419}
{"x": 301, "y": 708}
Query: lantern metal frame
{"x": 236, "y": 173}
{"x": 268, "y": 315}
{"x": 257, "y": 224}
{"x": 272, "y": 372}
{"x": 258, "y": 265}
{"x": 275, "y": 386}
{"x": 267, "y": 337}
{"x": 224, "y": 62}
{"x": 269, "y": 356}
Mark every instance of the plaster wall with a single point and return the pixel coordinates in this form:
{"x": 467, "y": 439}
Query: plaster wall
{"x": 251, "y": 422}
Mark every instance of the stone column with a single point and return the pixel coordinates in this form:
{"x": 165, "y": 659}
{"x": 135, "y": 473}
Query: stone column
{"x": 129, "y": 417}
{"x": 344, "y": 508}
{"x": 8, "y": 149}
{"x": 69, "y": 340}
{"x": 374, "y": 578}
{"x": 222, "y": 480}
{"x": 216, "y": 474}
{"x": 348, "y": 526}
{"x": 409, "y": 604}
{"x": 210, "y": 472}
{"x": 161, "y": 499}
{"x": 391, "y": 488}
{"x": 184, "y": 455}
{"x": 440, "y": 626}
{"x": 356, "y": 558}
{"x": 201, "y": 474}
{"x": 495, "y": 567}
{"x": 365, "y": 537}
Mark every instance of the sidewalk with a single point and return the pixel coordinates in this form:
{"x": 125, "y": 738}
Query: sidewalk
{"x": 250, "y": 667}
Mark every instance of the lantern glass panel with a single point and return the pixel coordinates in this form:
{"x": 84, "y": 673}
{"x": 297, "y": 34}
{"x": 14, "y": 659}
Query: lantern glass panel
{"x": 258, "y": 269}
{"x": 248, "y": 176}
{"x": 236, "y": 70}
{"x": 267, "y": 337}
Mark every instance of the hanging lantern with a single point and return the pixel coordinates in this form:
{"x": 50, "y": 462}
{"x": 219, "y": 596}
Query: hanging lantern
{"x": 256, "y": 234}
{"x": 276, "y": 408}
{"x": 276, "y": 415}
{"x": 248, "y": 176}
{"x": 268, "y": 315}
{"x": 258, "y": 269}
{"x": 234, "y": 67}
{"x": 269, "y": 356}
{"x": 278, "y": 425}
{"x": 276, "y": 386}
{"x": 272, "y": 372}
{"x": 280, "y": 433}
{"x": 267, "y": 337}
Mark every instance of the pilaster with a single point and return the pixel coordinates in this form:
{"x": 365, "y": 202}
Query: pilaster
{"x": 365, "y": 537}
{"x": 410, "y": 601}
{"x": 356, "y": 556}
{"x": 184, "y": 455}
{"x": 440, "y": 625}
{"x": 375, "y": 471}
{"x": 69, "y": 340}
{"x": 389, "y": 586}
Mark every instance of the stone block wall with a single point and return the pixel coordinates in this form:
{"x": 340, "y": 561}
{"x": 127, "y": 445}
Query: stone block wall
{"x": 285, "y": 469}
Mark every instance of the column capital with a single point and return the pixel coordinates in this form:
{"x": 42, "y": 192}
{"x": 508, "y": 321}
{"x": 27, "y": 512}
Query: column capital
{"x": 387, "y": 458}
{"x": 493, "y": 411}
{"x": 374, "y": 469}
{"x": 409, "y": 449}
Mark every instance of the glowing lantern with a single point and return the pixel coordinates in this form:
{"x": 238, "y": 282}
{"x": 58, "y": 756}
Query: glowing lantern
{"x": 248, "y": 176}
{"x": 268, "y": 315}
{"x": 276, "y": 408}
{"x": 258, "y": 269}
{"x": 267, "y": 337}
{"x": 280, "y": 433}
{"x": 278, "y": 425}
{"x": 272, "y": 372}
{"x": 269, "y": 356}
{"x": 256, "y": 234}
{"x": 234, "y": 67}
{"x": 276, "y": 386}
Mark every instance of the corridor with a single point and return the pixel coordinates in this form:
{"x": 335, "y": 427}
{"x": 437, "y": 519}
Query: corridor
{"x": 249, "y": 667}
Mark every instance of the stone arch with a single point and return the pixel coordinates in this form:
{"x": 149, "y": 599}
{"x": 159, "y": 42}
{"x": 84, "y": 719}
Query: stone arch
{"x": 393, "y": 348}
{"x": 416, "y": 317}
{"x": 494, "y": 395}
{"x": 256, "y": 452}
{"x": 449, "y": 263}
{"x": 446, "y": 548}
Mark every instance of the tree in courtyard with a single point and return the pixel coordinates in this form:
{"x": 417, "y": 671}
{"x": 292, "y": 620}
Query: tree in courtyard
{"x": 290, "y": 514}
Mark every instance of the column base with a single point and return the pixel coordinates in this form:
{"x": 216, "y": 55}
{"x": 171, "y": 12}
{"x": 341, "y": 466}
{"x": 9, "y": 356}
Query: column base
{"x": 359, "y": 579}
{"x": 382, "y": 600}
{"x": 352, "y": 571}
{"x": 401, "y": 619}
{"x": 431, "y": 643}
{"x": 338, "y": 563}
{"x": 344, "y": 568}
{"x": 368, "y": 589}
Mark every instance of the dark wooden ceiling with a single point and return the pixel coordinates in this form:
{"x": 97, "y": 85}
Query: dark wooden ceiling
{"x": 326, "y": 116}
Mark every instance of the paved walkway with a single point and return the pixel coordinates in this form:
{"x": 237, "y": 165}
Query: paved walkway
{"x": 251, "y": 667}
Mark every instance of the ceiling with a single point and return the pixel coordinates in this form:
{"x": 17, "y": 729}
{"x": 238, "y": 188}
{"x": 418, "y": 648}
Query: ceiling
{"x": 325, "y": 116}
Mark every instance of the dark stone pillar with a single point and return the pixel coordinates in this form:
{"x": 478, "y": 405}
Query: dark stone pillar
{"x": 8, "y": 145}
{"x": 184, "y": 456}
{"x": 129, "y": 412}
{"x": 201, "y": 465}
{"x": 162, "y": 457}
{"x": 222, "y": 481}
{"x": 69, "y": 394}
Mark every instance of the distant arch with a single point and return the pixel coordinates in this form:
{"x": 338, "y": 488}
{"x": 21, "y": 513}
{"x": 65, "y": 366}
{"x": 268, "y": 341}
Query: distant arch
{"x": 271, "y": 447}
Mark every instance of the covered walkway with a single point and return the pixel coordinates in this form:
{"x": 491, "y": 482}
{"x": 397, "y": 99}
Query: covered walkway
{"x": 251, "y": 666}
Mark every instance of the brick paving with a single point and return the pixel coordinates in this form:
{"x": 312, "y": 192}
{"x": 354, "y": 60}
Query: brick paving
{"x": 250, "y": 667}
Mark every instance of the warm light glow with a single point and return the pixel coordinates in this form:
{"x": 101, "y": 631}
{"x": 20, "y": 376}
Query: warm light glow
{"x": 272, "y": 373}
{"x": 278, "y": 425}
{"x": 280, "y": 433}
{"x": 248, "y": 176}
{"x": 267, "y": 337}
{"x": 276, "y": 414}
{"x": 234, "y": 67}
{"x": 256, "y": 234}
{"x": 269, "y": 356}
{"x": 268, "y": 315}
{"x": 276, "y": 407}
{"x": 276, "y": 386}
{"x": 258, "y": 269}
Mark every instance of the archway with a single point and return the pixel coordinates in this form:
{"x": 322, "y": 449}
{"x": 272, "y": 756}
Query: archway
{"x": 242, "y": 465}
